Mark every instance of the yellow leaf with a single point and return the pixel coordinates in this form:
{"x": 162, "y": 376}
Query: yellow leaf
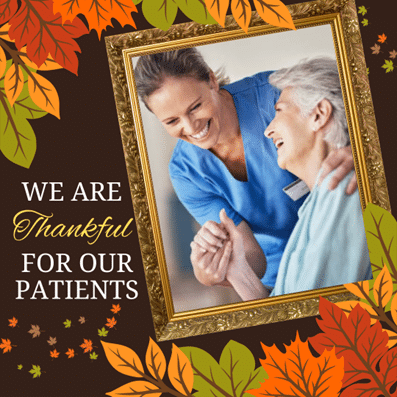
{"x": 394, "y": 309}
{"x": 44, "y": 94}
{"x": 241, "y": 10}
{"x": 123, "y": 359}
{"x": 383, "y": 287}
{"x": 13, "y": 83}
{"x": 218, "y": 10}
{"x": 180, "y": 372}
{"x": 3, "y": 62}
{"x": 6, "y": 37}
{"x": 392, "y": 338}
{"x": 275, "y": 13}
{"x": 49, "y": 63}
{"x": 354, "y": 288}
{"x": 348, "y": 306}
{"x": 138, "y": 388}
{"x": 155, "y": 360}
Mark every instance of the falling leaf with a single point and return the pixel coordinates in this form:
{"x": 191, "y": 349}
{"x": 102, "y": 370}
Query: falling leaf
{"x": 82, "y": 320}
{"x": 137, "y": 388}
{"x": 13, "y": 322}
{"x": 393, "y": 55}
{"x": 20, "y": 366}
{"x": 365, "y": 22}
{"x": 103, "y": 332}
{"x": 7, "y": 10}
{"x": 362, "y": 10}
{"x": 54, "y": 353}
{"x": 155, "y": 360}
{"x": 111, "y": 322}
{"x": 241, "y": 10}
{"x": 123, "y": 359}
{"x": 67, "y": 323}
{"x": 43, "y": 94}
{"x": 93, "y": 356}
{"x": 70, "y": 353}
{"x": 275, "y": 13}
{"x": 375, "y": 49}
{"x": 180, "y": 372}
{"x": 35, "y": 331}
{"x": 218, "y": 10}
{"x": 389, "y": 66}
{"x": 52, "y": 341}
{"x": 97, "y": 12}
{"x": 13, "y": 83}
{"x": 367, "y": 71}
{"x": 43, "y": 33}
{"x": 5, "y": 345}
{"x": 383, "y": 287}
{"x": 87, "y": 345}
{"x": 115, "y": 308}
{"x": 35, "y": 371}
{"x": 382, "y": 38}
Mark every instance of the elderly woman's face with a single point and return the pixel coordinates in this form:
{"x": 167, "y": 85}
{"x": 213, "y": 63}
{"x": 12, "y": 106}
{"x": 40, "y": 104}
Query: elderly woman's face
{"x": 291, "y": 132}
{"x": 189, "y": 109}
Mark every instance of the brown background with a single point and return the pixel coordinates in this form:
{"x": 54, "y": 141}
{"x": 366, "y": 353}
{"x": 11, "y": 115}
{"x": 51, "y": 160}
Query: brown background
{"x": 85, "y": 146}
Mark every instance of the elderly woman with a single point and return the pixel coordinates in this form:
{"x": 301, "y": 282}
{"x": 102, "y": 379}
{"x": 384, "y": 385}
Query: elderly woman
{"x": 327, "y": 246}
{"x": 222, "y": 161}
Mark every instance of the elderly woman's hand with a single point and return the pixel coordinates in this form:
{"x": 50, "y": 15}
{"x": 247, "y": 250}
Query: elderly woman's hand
{"x": 340, "y": 160}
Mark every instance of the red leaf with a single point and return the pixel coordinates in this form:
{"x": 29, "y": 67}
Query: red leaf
{"x": 362, "y": 347}
{"x": 36, "y": 26}
{"x": 7, "y": 9}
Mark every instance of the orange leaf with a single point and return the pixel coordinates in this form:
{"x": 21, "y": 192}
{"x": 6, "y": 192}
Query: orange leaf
{"x": 4, "y": 29}
{"x": 97, "y": 12}
{"x": 393, "y": 309}
{"x": 13, "y": 322}
{"x": 155, "y": 360}
{"x": 111, "y": 322}
{"x": 13, "y": 83}
{"x": 348, "y": 306}
{"x": 275, "y": 13}
{"x": 3, "y": 61}
{"x": 180, "y": 372}
{"x": 297, "y": 373}
{"x": 87, "y": 345}
{"x": 5, "y": 345}
{"x": 383, "y": 287}
{"x": 241, "y": 10}
{"x": 49, "y": 63}
{"x": 43, "y": 94}
{"x": 218, "y": 10}
{"x": 70, "y": 353}
{"x": 392, "y": 338}
{"x": 115, "y": 308}
{"x": 355, "y": 289}
{"x": 123, "y": 359}
{"x": 138, "y": 388}
{"x": 54, "y": 353}
{"x": 382, "y": 38}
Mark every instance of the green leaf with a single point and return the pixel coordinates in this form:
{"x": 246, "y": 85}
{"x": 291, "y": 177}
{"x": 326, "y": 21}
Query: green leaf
{"x": 389, "y": 66}
{"x": 103, "y": 332}
{"x": 196, "y": 11}
{"x": 20, "y": 366}
{"x": 362, "y": 10}
{"x": 93, "y": 356}
{"x": 160, "y": 13}
{"x": 367, "y": 71}
{"x": 35, "y": 371}
{"x": 67, "y": 323}
{"x": 365, "y": 22}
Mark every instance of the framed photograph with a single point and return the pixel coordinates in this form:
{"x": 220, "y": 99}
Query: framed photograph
{"x": 181, "y": 306}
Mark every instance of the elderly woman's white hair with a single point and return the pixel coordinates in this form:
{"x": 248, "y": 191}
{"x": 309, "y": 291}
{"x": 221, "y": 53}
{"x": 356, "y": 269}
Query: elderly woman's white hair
{"x": 312, "y": 81}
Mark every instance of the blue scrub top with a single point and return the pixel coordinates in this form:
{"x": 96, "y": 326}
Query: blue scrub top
{"x": 204, "y": 185}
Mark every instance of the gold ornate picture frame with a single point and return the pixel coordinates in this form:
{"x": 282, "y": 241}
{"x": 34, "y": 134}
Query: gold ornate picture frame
{"x": 341, "y": 16}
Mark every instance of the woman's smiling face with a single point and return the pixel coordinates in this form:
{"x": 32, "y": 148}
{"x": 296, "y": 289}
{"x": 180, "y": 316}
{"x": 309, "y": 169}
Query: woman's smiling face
{"x": 189, "y": 109}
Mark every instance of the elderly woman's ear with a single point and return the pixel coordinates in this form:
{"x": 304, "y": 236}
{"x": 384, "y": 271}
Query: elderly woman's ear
{"x": 322, "y": 115}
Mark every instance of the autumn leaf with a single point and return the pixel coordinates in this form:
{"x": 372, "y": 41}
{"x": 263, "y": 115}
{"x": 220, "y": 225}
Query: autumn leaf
{"x": 93, "y": 356}
{"x": 35, "y": 331}
{"x": 365, "y": 22}
{"x": 111, "y": 322}
{"x": 4, "y": 32}
{"x": 47, "y": 65}
{"x": 382, "y": 38}
{"x": 52, "y": 341}
{"x": 362, "y": 10}
{"x": 123, "y": 359}
{"x": 359, "y": 288}
{"x": 393, "y": 55}
{"x": 160, "y": 13}
{"x": 180, "y": 372}
{"x": 35, "y": 371}
{"x": 97, "y": 12}
{"x": 67, "y": 323}
{"x": 155, "y": 360}
{"x": 375, "y": 49}
{"x": 195, "y": 10}
{"x": 87, "y": 345}
{"x": 82, "y": 320}
{"x": 70, "y": 353}
{"x": 54, "y": 353}
{"x": 241, "y": 10}
{"x": 115, "y": 308}
{"x": 36, "y": 26}
{"x": 388, "y": 65}
{"x": 13, "y": 322}
{"x": 348, "y": 306}
{"x": 8, "y": 8}
{"x": 3, "y": 61}
{"x": 392, "y": 338}
{"x": 103, "y": 332}
{"x": 13, "y": 83}
{"x": 20, "y": 366}
{"x": 297, "y": 373}
{"x": 383, "y": 287}
{"x": 218, "y": 10}
{"x": 363, "y": 347}
{"x": 393, "y": 309}
{"x": 137, "y": 388}
{"x": 6, "y": 345}
{"x": 275, "y": 13}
